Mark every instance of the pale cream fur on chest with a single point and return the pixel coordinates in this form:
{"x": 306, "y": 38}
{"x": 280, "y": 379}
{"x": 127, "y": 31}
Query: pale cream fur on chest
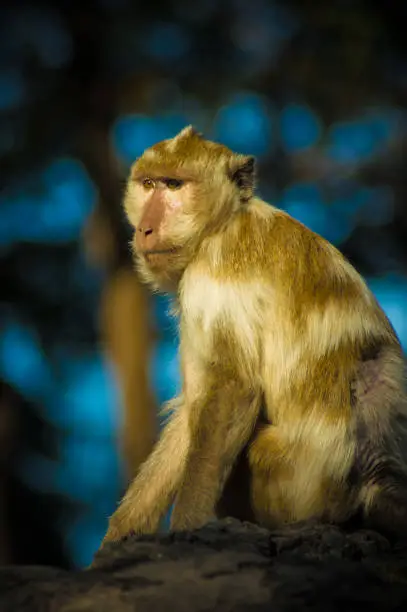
{"x": 209, "y": 304}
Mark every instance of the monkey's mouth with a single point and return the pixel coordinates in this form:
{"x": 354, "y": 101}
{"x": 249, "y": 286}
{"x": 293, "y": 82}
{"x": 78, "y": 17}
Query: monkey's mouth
{"x": 158, "y": 252}
{"x": 158, "y": 258}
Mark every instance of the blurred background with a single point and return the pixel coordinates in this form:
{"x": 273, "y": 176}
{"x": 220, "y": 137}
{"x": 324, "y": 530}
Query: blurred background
{"x": 316, "y": 90}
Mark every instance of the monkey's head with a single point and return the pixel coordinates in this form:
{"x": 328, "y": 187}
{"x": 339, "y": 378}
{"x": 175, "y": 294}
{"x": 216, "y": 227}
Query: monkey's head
{"x": 181, "y": 191}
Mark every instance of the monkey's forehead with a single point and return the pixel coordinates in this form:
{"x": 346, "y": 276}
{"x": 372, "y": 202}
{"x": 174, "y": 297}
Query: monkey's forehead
{"x": 186, "y": 158}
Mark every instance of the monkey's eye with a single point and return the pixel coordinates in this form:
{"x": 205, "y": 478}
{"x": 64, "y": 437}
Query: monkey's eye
{"x": 148, "y": 183}
{"x": 174, "y": 183}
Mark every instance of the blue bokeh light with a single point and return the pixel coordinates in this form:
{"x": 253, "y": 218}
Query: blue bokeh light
{"x": 132, "y": 134}
{"x": 22, "y": 363}
{"x": 304, "y": 202}
{"x": 300, "y": 127}
{"x": 165, "y": 374}
{"x": 391, "y": 293}
{"x": 336, "y": 220}
{"x": 88, "y": 471}
{"x": 379, "y": 208}
{"x": 55, "y": 215}
{"x": 83, "y": 536}
{"x": 90, "y": 397}
{"x": 164, "y": 320}
{"x": 357, "y": 140}
{"x": 70, "y": 199}
{"x": 12, "y": 89}
{"x": 245, "y": 124}
{"x": 369, "y": 206}
{"x": 351, "y": 204}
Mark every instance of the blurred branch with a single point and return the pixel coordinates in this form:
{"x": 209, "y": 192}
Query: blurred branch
{"x": 110, "y": 244}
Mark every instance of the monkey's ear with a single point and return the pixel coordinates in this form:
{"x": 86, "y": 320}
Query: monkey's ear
{"x": 242, "y": 171}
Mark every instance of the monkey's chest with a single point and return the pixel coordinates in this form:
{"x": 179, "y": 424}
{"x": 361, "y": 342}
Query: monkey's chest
{"x": 222, "y": 341}
{"x": 223, "y": 321}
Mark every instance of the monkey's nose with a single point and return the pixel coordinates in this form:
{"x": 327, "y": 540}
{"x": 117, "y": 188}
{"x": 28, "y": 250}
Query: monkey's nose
{"x": 146, "y": 231}
{"x": 146, "y": 237}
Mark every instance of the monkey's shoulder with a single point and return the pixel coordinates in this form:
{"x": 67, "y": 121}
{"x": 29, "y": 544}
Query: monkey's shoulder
{"x": 299, "y": 261}
{"x": 264, "y": 243}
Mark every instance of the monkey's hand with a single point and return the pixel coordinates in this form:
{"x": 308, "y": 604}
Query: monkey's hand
{"x": 125, "y": 521}
{"x": 152, "y": 491}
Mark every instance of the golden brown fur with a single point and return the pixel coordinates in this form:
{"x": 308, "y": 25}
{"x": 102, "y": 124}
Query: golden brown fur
{"x": 289, "y": 365}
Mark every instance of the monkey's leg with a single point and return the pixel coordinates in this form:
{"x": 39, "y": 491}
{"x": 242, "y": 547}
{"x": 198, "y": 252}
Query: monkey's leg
{"x": 220, "y": 428}
{"x": 386, "y": 510}
{"x": 153, "y": 489}
{"x": 381, "y": 462}
{"x": 293, "y": 480}
{"x": 235, "y": 500}
{"x": 384, "y": 495}
{"x": 270, "y": 463}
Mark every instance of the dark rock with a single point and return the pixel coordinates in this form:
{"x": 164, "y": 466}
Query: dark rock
{"x": 225, "y": 566}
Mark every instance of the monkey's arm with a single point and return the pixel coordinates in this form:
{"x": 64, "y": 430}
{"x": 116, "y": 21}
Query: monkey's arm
{"x": 220, "y": 426}
{"x": 153, "y": 489}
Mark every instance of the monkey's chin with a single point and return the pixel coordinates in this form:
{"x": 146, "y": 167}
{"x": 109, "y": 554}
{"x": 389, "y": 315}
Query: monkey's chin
{"x": 159, "y": 259}
{"x": 162, "y": 271}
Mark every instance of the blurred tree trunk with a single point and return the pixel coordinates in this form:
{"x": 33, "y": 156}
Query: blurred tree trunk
{"x": 126, "y": 330}
{"x": 128, "y": 339}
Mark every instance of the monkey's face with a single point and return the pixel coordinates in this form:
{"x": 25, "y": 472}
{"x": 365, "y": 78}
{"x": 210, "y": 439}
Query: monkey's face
{"x": 180, "y": 191}
{"x": 162, "y": 207}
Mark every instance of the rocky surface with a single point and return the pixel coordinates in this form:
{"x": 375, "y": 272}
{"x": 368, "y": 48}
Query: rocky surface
{"x": 226, "y": 566}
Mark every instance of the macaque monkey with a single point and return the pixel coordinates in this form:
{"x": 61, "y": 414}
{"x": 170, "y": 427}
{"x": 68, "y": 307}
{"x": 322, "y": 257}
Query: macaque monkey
{"x": 293, "y": 404}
